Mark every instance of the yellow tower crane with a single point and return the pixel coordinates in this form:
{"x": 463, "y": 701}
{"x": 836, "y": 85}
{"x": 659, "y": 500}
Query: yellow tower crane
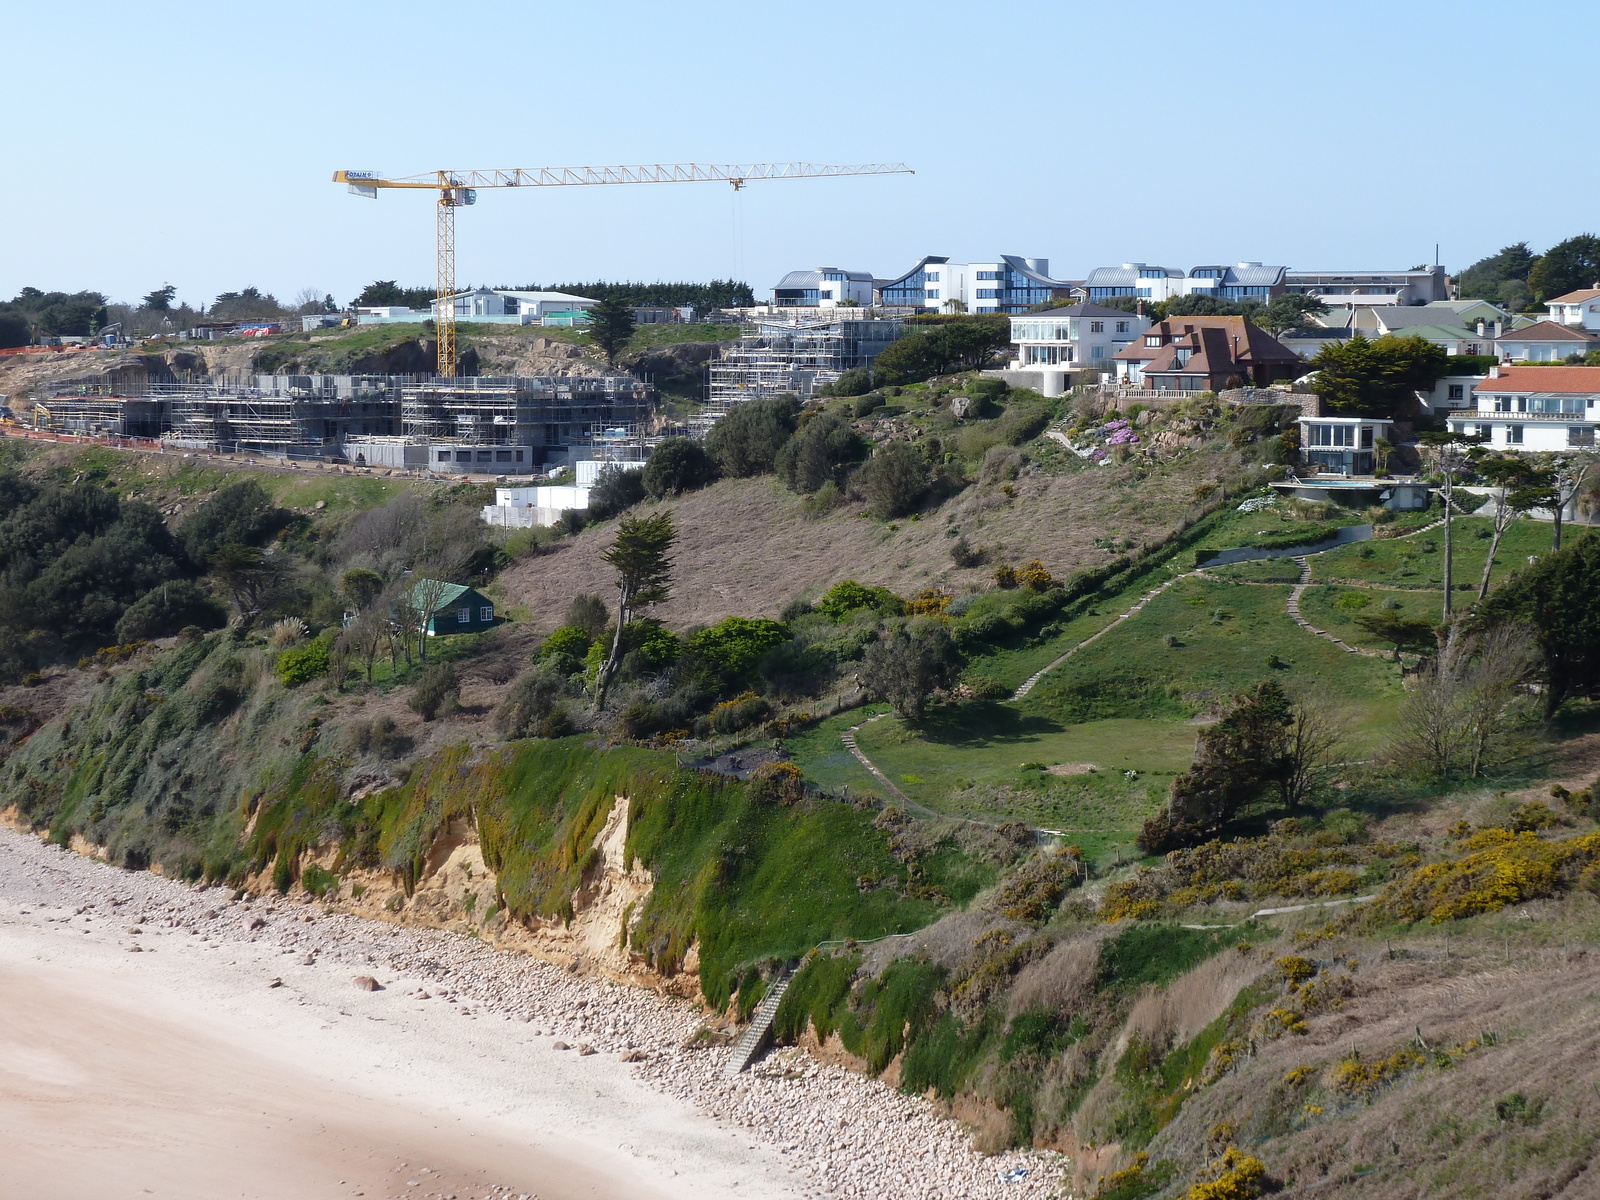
{"x": 459, "y": 188}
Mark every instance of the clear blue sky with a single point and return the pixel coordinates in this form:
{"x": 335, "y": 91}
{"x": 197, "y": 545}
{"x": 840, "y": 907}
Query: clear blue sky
{"x": 193, "y": 142}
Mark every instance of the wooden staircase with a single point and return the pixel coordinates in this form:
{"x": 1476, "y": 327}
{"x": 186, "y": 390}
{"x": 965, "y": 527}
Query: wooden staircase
{"x": 754, "y": 1038}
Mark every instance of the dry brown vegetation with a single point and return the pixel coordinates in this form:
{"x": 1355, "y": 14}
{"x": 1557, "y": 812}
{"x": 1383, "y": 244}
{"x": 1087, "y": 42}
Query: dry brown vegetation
{"x": 747, "y": 546}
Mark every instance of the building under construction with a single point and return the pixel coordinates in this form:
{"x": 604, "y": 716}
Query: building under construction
{"x": 499, "y": 425}
{"x": 791, "y": 356}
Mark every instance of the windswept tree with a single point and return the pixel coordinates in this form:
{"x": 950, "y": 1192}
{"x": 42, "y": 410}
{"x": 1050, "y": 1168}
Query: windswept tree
{"x": 1375, "y": 377}
{"x": 1556, "y": 598}
{"x": 1400, "y": 631}
{"x": 1519, "y": 485}
{"x": 247, "y": 573}
{"x": 1447, "y": 453}
{"x": 905, "y": 666}
{"x": 640, "y": 557}
{"x": 1288, "y": 311}
{"x": 1569, "y": 476}
{"x": 610, "y": 326}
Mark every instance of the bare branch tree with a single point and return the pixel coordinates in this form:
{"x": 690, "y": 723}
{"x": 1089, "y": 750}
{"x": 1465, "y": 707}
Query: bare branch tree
{"x": 1494, "y": 671}
{"x": 1312, "y": 744}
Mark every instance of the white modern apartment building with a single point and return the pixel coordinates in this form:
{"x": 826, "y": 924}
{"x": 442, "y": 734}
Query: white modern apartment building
{"x": 493, "y": 306}
{"x": 1009, "y": 285}
{"x": 825, "y": 287}
{"x": 1534, "y": 408}
{"x": 1147, "y": 281}
{"x": 1084, "y": 335}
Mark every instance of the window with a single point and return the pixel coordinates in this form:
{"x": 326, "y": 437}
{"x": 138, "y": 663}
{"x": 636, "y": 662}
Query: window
{"x": 502, "y": 456}
{"x": 1097, "y": 326}
{"x": 1153, "y": 340}
{"x": 988, "y": 275}
{"x": 987, "y": 293}
{"x": 519, "y": 455}
{"x": 464, "y": 456}
{"x": 932, "y": 276}
{"x": 463, "y": 616}
{"x": 933, "y": 293}
{"x": 833, "y": 276}
{"x": 1458, "y": 392}
{"x": 1502, "y": 403}
{"x": 1152, "y": 273}
{"x": 827, "y": 293}
{"x": 1513, "y": 435}
{"x": 485, "y": 455}
{"x": 1474, "y": 348}
{"x": 1483, "y": 431}
{"x": 1097, "y": 351}
{"x": 486, "y": 613}
{"x": 1122, "y": 327}
{"x": 444, "y": 456}
{"x": 1580, "y": 435}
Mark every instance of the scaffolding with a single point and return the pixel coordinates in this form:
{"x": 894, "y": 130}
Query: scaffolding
{"x": 787, "y": 355}
{"x": 294, "y": 416}
{"x": 522, "y": 410}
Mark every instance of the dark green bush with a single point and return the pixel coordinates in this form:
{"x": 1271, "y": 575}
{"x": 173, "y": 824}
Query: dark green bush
{"x": 438, "y": 691}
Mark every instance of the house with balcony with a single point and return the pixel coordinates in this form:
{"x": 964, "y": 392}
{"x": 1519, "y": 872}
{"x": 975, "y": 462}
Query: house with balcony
{"x": 1534, "y": 408}
{"x": 1577, "y": 310}
{"x": 1205, "y": 354}
{"x": 1083, "y": 335}
{"x": 825, "y": 287}
{"x": 1009, "y": 285}
{"x": 1545, "y": 341}
{"x": 1342, "y": 445}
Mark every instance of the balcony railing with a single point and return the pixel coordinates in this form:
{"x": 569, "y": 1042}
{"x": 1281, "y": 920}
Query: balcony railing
{"x": 1478, "y": 414}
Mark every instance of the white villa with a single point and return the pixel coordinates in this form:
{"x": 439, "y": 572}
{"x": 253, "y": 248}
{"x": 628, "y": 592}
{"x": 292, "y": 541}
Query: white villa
{"x": 1534, "y": 408}
{"x": 1083, "y": 335}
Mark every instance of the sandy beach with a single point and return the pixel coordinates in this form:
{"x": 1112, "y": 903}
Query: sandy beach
{"x": 160, "y": 1040}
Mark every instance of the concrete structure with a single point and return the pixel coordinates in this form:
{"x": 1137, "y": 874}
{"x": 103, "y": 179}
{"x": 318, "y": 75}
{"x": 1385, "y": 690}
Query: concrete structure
{"x": 1342, "y": 445}
{"x": 1451, "y": 393}
{"x": 1009, "y": 285}
{"x": 826, "y": 287}
{"x": 1546, "y": 341}
{"x": 791, "y": 355}
{"x": 1080, "y": 336}
{"x": 1205, "y": 354}
{"x": 526, "y": 507}
{"x": 481, "y": 425}
{"x": 492, "y": 306}
{"x": 1420, "y": 285}
{"x": 1396, "y": 495}
{"x": 1577, "y": 310}
{"x": 1534, "y": 408}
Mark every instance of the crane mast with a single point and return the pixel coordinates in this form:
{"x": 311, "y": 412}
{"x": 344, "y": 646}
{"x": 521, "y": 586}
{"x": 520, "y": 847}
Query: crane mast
{"x": 456, "y": 189}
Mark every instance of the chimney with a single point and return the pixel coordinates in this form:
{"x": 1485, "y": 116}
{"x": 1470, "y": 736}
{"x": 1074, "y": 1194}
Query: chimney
{"x": 1480, "y": 326}
{"x": 1494, "y": 369}
{"x": 1497, "y": 327}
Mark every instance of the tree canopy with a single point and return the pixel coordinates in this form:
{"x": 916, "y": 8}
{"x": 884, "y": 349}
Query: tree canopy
{"x": 386, "y": 293}
{"x": 746, "y": 441}
{"x": 1556, "y": 596}
{"x": 610, "y": 326}
{"x": 1374, "y": 377}
{"x": 1501, "y": 278}
{"x": 1566, "y": 267}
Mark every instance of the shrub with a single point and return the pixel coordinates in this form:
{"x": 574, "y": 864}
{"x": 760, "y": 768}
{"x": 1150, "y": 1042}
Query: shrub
{"x": 817, "y": 453}
{"x": 588, "y": 612}
{"x": 963, "y": 555}
{"x": 1498, "y": 868}
{"x": 615, "y": 490}
{"x": 239, "y": 514}
{"x": 1033, "y": 574}
{"x": 854, "y": 382}
{"x": 379, "y": 737}
{"x": 438, "y": 691}
{"x": 169, "y": 607}
{"x": 1005, "y": 576}
{"x": 894, "y": 480}
{"x": 528, "y": 703}
{"x": 867, "y": 405}
{"x": 733, "y": 646}
{"x": 847, "y": 595}
{"x": 776, "y": 783}
{"x": 319, "y": 881}
{"x": 568, "y": 639}
{"x": 677, "y": 465}
{"x": 570, "y": 523}
{"x": 746, "y": 441}
{"x": 301, "y": 664}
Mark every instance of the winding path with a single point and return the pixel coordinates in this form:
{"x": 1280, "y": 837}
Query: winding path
{"x": 1292, "y": 608}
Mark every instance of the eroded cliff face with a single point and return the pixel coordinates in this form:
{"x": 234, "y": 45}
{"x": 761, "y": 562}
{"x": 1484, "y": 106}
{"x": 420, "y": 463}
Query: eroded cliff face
{"x": 459, "y": 892}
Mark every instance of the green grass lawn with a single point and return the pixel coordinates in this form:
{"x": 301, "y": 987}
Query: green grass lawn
{"x": 1338, "y": 609}
{"x": 822, "y": 758}
{"x": 1418, "y": 561}
{"x": 1261, "y": 570}
{"x": 1224, "y": 636}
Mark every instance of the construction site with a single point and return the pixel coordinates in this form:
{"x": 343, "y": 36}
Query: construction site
{"x": 484, "y": 425}
{"x": 790, "y": 355}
